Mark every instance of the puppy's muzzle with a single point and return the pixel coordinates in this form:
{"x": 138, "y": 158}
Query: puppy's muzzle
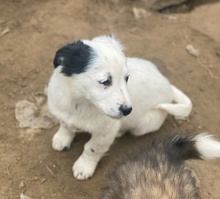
{"x": 125, "y": 110}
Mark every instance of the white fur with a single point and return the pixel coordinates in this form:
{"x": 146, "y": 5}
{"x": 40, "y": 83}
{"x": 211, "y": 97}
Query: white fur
{"x": 182, "y": 109}
{"x": 81, "y": 102}
{"x": 207, "y": 146}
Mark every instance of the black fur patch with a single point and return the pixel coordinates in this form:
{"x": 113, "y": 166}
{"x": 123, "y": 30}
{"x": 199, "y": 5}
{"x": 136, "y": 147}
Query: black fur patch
{"x": 181, "y": 147}
{"x": 74, "y": 58}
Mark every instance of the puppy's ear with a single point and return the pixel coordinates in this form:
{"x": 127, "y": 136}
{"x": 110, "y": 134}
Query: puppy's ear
{"x": 74, "y": 58}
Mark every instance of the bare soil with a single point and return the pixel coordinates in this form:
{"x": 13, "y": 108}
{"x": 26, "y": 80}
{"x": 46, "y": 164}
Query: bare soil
{"x": 38, "y": 28}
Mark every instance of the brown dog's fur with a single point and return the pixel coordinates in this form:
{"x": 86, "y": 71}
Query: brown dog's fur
{"x": 156, "y": 171}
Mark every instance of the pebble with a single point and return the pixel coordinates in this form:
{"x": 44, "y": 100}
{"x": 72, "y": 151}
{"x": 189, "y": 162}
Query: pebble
{"x": 192, "y": 50}
{"x": 172, "y": 18}
{"x": 4, "y": 32}
{"x": 43, "y": 180}
{"x": 35, "y": 178}
{"x": 21, "y": 185}
{"x": 140, "y": 13}
{"x": 22, "y": 196}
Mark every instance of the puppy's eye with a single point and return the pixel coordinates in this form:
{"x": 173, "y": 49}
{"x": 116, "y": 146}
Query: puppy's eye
{"x": 126, "y": 78}
{"x": 106, "y": 83}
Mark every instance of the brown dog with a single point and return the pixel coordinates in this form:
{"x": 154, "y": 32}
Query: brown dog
{"x": 158, "y": 170}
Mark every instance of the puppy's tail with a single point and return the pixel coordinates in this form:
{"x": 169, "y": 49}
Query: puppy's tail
{"x": 186, "y": 146}
{"x": 182, "y": 106}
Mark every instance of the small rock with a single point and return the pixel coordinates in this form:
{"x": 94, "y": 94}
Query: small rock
{"x": 35, "y": 178}
{"x": 192, "y": 51}
{"x": 172, "y": 18}
{"x": 22, "y": 185}
{"x": 140, "y": 13}
{"x": 4, "y": 32}
{"x": 43, "y": 180}
{"x": 22, "y": 196}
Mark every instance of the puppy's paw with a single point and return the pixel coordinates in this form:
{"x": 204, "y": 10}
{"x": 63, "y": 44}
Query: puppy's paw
{"x": 84, "y": 168}
{"x": 61, "y": 142}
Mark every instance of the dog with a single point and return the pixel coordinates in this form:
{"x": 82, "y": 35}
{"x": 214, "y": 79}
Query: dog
{"x": 158, "y": 169}
{"x": 94, "y": 88}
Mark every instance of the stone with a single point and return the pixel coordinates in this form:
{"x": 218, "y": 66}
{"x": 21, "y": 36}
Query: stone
{"x": 22, "y": 196}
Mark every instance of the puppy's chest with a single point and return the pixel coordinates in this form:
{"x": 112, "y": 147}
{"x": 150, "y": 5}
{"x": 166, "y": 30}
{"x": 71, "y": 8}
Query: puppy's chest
{"x": 81, "y": 117}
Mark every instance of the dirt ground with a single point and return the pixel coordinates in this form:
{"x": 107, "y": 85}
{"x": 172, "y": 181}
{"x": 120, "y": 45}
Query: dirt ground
{"x": 38, "y": 28}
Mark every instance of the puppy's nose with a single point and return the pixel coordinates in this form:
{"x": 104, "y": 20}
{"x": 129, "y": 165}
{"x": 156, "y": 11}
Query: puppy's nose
{"x": 125, "y": 110}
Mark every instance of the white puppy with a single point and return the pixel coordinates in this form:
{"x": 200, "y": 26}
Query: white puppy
{"x": 90, "y": 91}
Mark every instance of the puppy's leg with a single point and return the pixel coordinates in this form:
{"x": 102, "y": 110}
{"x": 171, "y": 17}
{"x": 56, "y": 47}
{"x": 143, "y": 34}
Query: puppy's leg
{"x": 97, "y": 146}
{"x": 152, "y": 121}
{"x": 63, "y": 138}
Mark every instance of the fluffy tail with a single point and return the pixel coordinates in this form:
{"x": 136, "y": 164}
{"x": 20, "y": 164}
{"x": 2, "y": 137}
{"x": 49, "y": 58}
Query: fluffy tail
{"x": 182, "y": 105}
{"x": 186, "y": 146}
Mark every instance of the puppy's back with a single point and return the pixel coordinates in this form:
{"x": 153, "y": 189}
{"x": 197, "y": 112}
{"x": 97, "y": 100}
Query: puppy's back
{"x": 157, "y": 171}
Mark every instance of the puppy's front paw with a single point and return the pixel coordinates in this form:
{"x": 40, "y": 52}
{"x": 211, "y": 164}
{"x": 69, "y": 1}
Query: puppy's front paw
{"x": 84, "y": 168}
{"x": 61, "y": 142}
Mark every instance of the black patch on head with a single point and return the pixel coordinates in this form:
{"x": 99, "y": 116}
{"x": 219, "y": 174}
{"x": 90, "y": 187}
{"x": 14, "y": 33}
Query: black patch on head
{"x": 92, "y": 150}
{"x": 74, "y": 58}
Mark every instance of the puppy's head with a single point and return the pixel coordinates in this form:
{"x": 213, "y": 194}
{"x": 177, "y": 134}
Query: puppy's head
{"x": 97, "y": 71}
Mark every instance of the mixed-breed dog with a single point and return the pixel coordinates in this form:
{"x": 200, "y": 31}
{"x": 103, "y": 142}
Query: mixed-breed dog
{"x": 95, "y": 88}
